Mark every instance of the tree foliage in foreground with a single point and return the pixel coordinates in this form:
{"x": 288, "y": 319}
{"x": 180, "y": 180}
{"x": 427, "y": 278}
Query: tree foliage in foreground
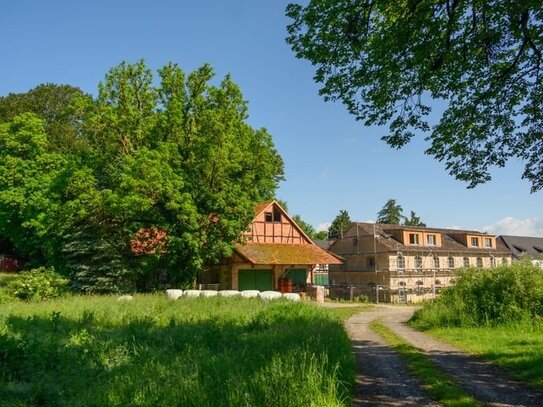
{"x": 177, "y": 156}
{"x": 387, "y": 61}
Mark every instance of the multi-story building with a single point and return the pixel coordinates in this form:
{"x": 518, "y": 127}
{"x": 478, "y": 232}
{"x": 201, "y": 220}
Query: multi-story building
{"x": 397, "y": 263}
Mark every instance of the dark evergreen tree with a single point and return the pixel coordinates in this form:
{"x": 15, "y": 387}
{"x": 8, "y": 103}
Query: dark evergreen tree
{"x": 339, "y": 225}
{"x": 391, "y": 213}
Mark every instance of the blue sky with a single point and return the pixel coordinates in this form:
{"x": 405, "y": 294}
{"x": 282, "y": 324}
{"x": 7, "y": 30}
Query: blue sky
{"x": 331, "y": 161}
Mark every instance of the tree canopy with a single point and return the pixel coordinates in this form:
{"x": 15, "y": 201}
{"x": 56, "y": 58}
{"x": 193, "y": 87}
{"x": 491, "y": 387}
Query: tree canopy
{"x": 339, "y": 225}
{"x": 391, "y": 213}
{"x": 387, "y": 62}
{"x": 413, "y": 220}
{"x": 172, "y": 164}
{"x": 53, "y": 104}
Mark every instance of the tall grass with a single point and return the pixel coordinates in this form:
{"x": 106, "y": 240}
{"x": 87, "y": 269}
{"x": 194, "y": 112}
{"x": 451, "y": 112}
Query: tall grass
{"x": 497, "y": 314}
{"x": 487, "y": 297}
{"x": 97, "y": 351}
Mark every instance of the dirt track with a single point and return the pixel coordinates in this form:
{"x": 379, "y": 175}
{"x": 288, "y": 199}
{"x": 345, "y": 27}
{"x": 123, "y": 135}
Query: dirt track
{"x": 382, "y": 378}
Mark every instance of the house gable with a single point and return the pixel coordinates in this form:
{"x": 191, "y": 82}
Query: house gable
{"x": 273, "y": 225}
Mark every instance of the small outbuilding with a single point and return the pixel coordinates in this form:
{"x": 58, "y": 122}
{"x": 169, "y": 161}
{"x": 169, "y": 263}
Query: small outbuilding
{"x": 275, "y": 254}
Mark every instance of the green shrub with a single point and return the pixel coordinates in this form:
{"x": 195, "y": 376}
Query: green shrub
{"x": 487, "y": 297}
{"x": 39, "y": 284}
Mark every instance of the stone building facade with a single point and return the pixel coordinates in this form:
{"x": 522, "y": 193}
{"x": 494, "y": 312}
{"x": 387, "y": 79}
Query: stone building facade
{"x": 396, "y": 263}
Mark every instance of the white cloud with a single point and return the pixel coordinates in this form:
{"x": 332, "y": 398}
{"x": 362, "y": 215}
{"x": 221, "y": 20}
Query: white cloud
{"x": 323, "y": 226}
{"x": 517, "y": 227}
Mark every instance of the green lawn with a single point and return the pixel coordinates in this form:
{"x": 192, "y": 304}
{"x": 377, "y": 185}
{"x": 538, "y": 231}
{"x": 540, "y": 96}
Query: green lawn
{"x": 516, "y": 347}
{"x": 345, "y": 313}
{"x": 97, "y": 351}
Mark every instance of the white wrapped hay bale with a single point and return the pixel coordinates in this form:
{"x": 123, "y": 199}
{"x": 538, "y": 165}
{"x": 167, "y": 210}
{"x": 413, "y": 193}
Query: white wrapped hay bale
{"x": 270, "y": 295}
{"x": 192, "y": 293}
{"x": 250, "y": 293}
{"x": 125, "y": 298}
{"x": 228, "y": 293}
{"x": 292, "y": 296}
{"x": 208, "y": 293}
{"x": 174, "y": 294}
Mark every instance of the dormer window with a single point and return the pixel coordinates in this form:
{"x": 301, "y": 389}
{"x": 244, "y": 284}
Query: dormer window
{"x": 413, "y": 238}
{"x": 431, "y": 240}
{"x": 487, "y": 242}
{"x": 474, "y": 242}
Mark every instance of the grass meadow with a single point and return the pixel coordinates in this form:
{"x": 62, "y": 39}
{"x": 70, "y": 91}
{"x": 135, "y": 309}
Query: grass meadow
{"x": 495, "y": 313}
{"x": 98, "y": 351}
{"x": 518, "y": 347}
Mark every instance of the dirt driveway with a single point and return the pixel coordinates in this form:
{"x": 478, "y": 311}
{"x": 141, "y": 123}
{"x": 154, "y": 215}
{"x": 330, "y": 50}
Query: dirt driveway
{"x": 383, "y": 380}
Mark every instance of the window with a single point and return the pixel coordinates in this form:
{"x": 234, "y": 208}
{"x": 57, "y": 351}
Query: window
{"x": 437, "y": 286}
{"x": 418, "y": 262}
{"x": 419, "y": 290}
{"x": 436, "y": 262}
{"x": 371, "y": 262}
{"x": 268, "y": 216}
{"x": 400, "y": 262}
{"x": 276, "y": 216}
{"x": 431, "y": 240}
{"x": 492, "y": 262}
{"x": 487, "y": 242}
{"x": 479, "y": 262}
{"x": 413, "y": 238}
{"x": 474, "y": 242}
{"x": 466, "y": 261}
{"x": 451, "y": 262}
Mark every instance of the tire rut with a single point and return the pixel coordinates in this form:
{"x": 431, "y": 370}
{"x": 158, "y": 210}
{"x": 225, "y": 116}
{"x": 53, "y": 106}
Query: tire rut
{"x": 383, "y": 379}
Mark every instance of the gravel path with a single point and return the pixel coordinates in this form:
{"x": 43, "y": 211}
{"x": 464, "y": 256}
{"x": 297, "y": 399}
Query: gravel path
{"x": 382, "y": 379}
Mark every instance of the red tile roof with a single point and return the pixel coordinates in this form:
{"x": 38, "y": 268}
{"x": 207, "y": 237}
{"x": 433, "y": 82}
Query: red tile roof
{"x": 261, "y": 206}
{"x": 286, "y": 253}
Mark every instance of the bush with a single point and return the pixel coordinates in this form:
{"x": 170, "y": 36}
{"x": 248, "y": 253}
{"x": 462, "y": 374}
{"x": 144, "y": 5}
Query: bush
{"x": 39, "y": 284}
{"x": 487, "y": 297}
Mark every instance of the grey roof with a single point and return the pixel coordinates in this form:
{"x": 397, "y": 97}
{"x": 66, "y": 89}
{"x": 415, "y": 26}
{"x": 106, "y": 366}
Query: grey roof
{"x": 448, "y": 244}
{"x": 323, "y": 244}
{"x": 532, "y": 246}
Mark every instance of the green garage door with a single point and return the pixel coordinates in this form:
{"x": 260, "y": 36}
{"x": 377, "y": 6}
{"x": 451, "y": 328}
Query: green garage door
{"x": 261, "y": 280}
{"x": 298, "y": 276}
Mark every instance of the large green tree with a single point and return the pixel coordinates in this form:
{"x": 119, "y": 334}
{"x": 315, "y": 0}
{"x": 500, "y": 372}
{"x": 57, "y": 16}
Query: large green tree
{"x": 176, "y": 156}
{"x": 53, "y": 104}
{"x": 29, "y": 175}
{"x": 389, "y": 61}
{"x": 391, "y": 213}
